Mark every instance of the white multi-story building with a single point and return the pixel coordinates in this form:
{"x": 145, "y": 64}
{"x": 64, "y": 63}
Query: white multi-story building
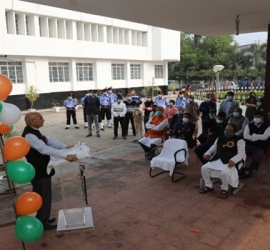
{"x": 59, "y": 51}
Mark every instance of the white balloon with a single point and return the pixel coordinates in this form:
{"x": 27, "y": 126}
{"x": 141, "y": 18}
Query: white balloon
{"x": 33, "y": 214}
{"x": 10, "y": 113}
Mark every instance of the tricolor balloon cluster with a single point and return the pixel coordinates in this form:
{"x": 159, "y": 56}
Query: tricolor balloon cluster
{"x": 27, "y": 227}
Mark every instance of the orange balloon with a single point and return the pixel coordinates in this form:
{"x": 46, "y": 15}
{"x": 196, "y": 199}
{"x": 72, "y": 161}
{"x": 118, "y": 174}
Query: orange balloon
{"x": 4, "y": 129}
{"x": 5, "y": 87}
{"x": 28, "y": 203}
{"x": 15, "y": 148}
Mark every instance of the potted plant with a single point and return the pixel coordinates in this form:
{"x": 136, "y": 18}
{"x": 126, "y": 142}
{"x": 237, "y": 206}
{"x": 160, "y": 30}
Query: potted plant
{"x": 56, "y": 106}
{"x": 32, "y": 95}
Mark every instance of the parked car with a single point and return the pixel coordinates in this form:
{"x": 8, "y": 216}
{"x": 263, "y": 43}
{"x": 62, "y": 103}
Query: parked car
{"x": 229, "y": 85}
{"x": 195, "y": 85}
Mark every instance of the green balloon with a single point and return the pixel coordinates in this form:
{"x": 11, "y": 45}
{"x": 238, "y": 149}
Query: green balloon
{"x": 20, "y": 171}
{"x": 11, "y": 126}
{"x": 1, "y": 107}
{"x": 28, "y": 228}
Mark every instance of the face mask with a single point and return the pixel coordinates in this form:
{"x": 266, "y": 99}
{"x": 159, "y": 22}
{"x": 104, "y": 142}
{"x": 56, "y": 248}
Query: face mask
{"x": 159, "y": 96}
{"x": 70, "y": 97}
{"x": 259, "y": 103}
{"x": 207, "y": 99}
{"x": 236, "y": 114}
{"x": 257, "y": 120}
{"x": 109, "y": 91}
{"x": 228, "y": 133}
{"x": 170, "y": 103}
{"x": 90, "y": 94}
{"x": 180, "y": 112}
{"x": 118, "y": 101}
{"x": 190, "y": 100}
{"x": 185, "y": 120}
{"x": 229, "y": 98}
{"x": 136, "y": 108}
{"x": 219, "y": 121}
{"x": 181, "y": 95}
{"x": 211, "y": 115}
{"x": 129, "y": 98}
{"x": 148, "y": 99}
{"x": 158, "y": 112}
{"x": 87, "y": 94}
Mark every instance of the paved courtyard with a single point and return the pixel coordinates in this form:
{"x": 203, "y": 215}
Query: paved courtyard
{"x": 134, "y": 211}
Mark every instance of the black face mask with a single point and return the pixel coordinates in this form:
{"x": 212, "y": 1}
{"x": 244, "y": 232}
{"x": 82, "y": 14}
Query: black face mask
{"x": 154, "y": 110}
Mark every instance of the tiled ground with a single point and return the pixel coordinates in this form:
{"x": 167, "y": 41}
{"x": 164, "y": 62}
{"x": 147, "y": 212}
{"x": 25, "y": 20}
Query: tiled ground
{"x": 133, "y": 211}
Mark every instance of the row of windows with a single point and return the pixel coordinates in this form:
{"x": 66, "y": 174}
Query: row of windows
{"x": 23, "y": 24}
{"x": 59, "y": 72}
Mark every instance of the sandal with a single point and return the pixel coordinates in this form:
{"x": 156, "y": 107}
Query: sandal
{"x": 224, "y": 194}
{"x": 206, "y": 189}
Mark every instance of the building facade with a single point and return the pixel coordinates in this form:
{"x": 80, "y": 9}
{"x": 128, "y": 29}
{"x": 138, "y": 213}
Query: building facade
{"x": 59, "y": 51}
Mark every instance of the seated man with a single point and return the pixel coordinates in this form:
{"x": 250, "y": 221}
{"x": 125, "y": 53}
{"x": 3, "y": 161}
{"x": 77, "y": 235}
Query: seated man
{"x": 206, "y": 124}
{"x": 227, "y": 151}
{"x": 216, "y": 129}
{"x": 239, "y": 121}
{"x": 256, "y": 135}
{"x": 156, "y": 130}
{"x": 185, "y": 130}
{"x": 176, "y": 120}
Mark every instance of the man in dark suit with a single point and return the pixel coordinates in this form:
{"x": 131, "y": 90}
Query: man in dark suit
{"x": 229, "y": 105}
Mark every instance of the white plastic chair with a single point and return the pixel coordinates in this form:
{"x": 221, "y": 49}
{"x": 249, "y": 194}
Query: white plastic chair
{"x": 174, "y": 152}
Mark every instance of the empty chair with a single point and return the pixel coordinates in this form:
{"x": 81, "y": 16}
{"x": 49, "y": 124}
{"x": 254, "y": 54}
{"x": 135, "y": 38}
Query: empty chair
{"x": 174, "y": 152}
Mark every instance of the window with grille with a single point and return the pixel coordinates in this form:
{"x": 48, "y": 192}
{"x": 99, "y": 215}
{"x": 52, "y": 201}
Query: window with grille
{"x": 13, "y": 70}
{"x": 59, "y": 72}
{"x": 118, "y": 71}
{"x": 135, "y": 71}
{"x": 158, "y": 71}
{"x": 17, "y": 24}
{"x": 84, "y": 72}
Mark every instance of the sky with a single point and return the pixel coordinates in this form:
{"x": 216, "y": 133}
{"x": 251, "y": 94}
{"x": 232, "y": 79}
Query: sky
{"x": 250, "y": 38}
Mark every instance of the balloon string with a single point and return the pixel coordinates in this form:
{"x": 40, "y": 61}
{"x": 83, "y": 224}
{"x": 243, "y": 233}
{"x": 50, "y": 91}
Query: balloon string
{"x": 9, "y": 182}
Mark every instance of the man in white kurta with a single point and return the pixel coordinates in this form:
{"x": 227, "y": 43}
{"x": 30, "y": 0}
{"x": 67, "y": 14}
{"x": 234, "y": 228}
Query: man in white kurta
{"x": 227, "y": 151}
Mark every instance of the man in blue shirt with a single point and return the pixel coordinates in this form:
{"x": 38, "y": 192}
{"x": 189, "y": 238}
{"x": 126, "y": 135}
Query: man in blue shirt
{"x": 161, "y": 101}
{"x": 181, "y": 101}
{"x": 105, "y": 109}
{"x": 70, "y": 103}
{"x": 206, "y": 106}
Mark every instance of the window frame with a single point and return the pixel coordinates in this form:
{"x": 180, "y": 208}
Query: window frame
{"x": 59, "y": 72}
{"x": 135, "y": 71}
{"x": 14, "y": 71}
{"x": 118, "y": 71}
{"x": 159, "y": 72}
{"x": 84, "y": 72}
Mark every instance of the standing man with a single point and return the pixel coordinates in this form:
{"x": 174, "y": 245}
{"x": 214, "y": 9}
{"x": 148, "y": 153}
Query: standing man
{"x": 229, "y": 105}
{"x": 92, "y": 110}
{"x": 82, "y": 103}
{"x": 118, "y": 111}
{"x": 135, "y": 97}
{"x": 129, "y": 114}
{"x": 41, "y": 148}
{"x": 105, "y": 104}
{"x": 113, "y": 98}
{"x": 70, "y": 103}
{"x": 181, "y": 101}
{"x": 206, "y": 106}
{"x": 161, "y": 101}
{"x": 226, "y": 152}
{"x": 147, "y": 107}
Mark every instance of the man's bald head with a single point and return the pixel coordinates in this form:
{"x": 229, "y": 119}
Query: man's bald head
{"x": 34, "y": 119}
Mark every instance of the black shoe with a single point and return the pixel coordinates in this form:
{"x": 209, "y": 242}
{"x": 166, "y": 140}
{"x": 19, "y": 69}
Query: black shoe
{"x": 48, "y": 226}
{"x": 124, "y": 138}
{"x": 89, "y": 135}
{"x": 51, "y": 220}
{"x": 114, "y": 138}
{"x": 244, "y": 176}
{"x": 102, "y": 129}
{"x": 98, "y": 135}
{"x": 66, "y": 127}
{"x": 85, "y": 127}
{"x": 77, "y": 127}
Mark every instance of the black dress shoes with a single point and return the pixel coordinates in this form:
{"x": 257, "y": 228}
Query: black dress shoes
{"x": 51, "y": 220}
{"x": 124, "y": 138}
{"x": 114, "y": 138}
{"x": 48, "y": 226}
{"x": 89, "y": 135}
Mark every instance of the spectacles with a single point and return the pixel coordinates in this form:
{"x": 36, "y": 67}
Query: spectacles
{"x": 40, "y": 118}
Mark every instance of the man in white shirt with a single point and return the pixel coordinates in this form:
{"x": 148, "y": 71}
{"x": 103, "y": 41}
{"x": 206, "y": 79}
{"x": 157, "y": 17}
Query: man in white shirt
{"x": 119, "y": 110}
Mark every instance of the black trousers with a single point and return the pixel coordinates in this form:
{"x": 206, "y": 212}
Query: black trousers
{"x": 257, "y": 155}
{"x": 116, "y": 121}
{"x": 145, "y": 120}
{"x": 84, "y": 115}
{"x": 44, "y": 188}
{"x": 129, "y": 117}
{"x": 107, "y": 112}
{"x": 146, "y": 149}
{"x": 71, "y": 113}
{"x": 201, "y": 150}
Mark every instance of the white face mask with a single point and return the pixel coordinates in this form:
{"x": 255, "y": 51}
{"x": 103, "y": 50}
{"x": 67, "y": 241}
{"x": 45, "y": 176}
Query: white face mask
{"x": 129, "y": 98}
{"x": 159, "y": 96}
{"x": 109, "y": 91}
{"x": 70, "y": 97}
{"x": 185, "y": 120}
{"x": 148, "y": 99}
{"x": 181, "y": 95}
